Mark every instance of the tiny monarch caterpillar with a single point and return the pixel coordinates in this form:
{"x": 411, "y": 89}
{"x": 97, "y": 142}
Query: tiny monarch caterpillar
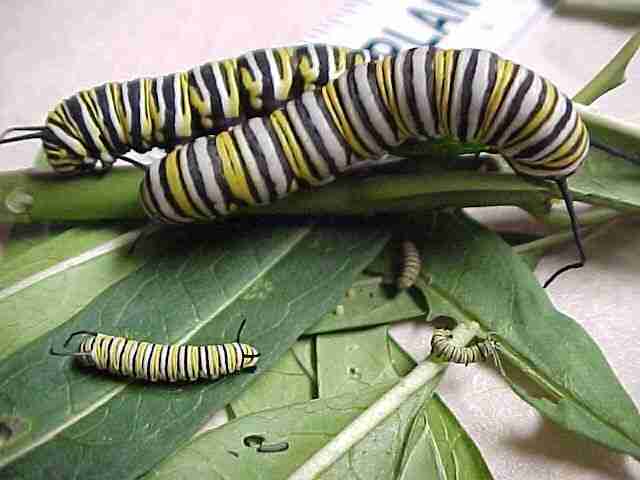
{"x": 442, "y": 346}
{"x": 159, "y": 362}
{"x": 410, "y": 266}
{"x": 468, "y": 95}
{"x": 101, "y": 124}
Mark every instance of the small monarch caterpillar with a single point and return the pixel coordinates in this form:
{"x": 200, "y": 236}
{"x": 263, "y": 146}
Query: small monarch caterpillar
{"x": 410, "y": 265}
{"x": 468, "y": 95}
{"x": 101, "y": 124}
{"x": 442, "y": 346}
{"x": 159, "y": 362}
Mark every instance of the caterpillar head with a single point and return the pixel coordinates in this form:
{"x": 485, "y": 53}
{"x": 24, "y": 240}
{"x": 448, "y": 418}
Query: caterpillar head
{"x": 86, "y": 346}
{"x": 250, "y": 356}
{"x": 65, "y": 149}
{"x": 555, "y": 150}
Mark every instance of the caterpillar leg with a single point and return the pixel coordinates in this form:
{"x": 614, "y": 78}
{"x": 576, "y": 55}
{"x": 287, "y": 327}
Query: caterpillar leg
{"x": 566, "y": 195}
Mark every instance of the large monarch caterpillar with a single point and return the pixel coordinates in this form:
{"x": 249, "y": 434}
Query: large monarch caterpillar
{"x": 158, "y": 362}
{"x": 424, "y": 93}
{"x": 103, "y": 123}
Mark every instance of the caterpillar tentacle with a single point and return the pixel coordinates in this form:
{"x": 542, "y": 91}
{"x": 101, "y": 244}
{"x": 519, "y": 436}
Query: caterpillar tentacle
{"x": 162, "y": 363}
{"x": 99, "y": 125}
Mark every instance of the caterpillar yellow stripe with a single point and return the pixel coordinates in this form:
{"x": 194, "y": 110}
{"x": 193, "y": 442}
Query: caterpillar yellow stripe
{"x": 157, "y": 362}
{"x": 95, "y": 127}
{"x": 466, "y": 95}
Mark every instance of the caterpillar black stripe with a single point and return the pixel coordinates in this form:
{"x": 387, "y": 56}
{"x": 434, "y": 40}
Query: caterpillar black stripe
{"x": 162, "y": 363}
{"x": 425, "y": 93}
{"x": 442, "y": 345}
{"x": 101, "y": 124}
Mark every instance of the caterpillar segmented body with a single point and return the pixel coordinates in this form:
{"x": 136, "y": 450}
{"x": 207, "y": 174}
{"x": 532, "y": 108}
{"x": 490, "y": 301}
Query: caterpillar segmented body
{"x": 424, "y": 93}
{"x": 468, "y": 95}
{"x": 160, "y": 362}
{"x": 443, "y": 346}
{"x": 101, "y": 124}
{"x": 411, "y": 263}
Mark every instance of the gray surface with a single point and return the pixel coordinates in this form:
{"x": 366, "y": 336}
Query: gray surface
{"x": 52, "y": 49}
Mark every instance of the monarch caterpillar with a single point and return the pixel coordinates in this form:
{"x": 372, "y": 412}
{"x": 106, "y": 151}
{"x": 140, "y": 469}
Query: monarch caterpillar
{"x": 411, "y": 263}
{"x": 158, "y": 362}
{"x": 103, "y": 123}
{"x": 443, "y": 346}
{"x": 424, "y": 93}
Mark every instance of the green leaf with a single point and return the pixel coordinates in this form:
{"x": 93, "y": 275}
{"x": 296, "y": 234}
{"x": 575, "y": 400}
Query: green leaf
{"x": 612, "y": 74}
{"x": 367, "y": 303}
{"x": 436, "y": 443}
{"x": 379, "y": 454}
{"x": 306, "y": 427}
{"x": 489, "y": 284}
{"x": 23, "y": 237}
{"x": 281, "y": 278}
{"x": 291, "y": 380}
{"x": 56, "y": 249}
{"x": 45, "y": 285}
{"x": 438, "y": 447}
{"x": 221, "y": 453}
{"x": 608, "y": 181}
{"x": 403, "y": 445}
{"x": 614, "y": 132}
{"x": 348, "y": 361}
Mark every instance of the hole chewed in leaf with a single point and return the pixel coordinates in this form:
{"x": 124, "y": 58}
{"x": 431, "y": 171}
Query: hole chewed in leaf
{"x": 253, "y": 441}
{"x": 10, "y": 428}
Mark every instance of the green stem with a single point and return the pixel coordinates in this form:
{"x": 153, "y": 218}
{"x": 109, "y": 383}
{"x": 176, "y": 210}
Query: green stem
{"x": 56, "y": 198}
{"x": 613, "y": 73}
{"x": 115, "y": 195}
{"x": 558, "y": 219}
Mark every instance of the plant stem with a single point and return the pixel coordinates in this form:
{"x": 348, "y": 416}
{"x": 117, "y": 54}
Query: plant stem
{"x": 115, "y": 195}
{"x": 392, "y": 400}
{"x": 558, "y": 219}
{"x": 613, "y": 73}
{"x": 57, "y": 198}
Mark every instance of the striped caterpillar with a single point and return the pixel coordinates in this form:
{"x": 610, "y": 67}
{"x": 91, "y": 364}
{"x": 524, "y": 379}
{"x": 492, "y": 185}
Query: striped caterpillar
{"x": 101, "y": 124}
{"x": 410, "y": 265}
{"x": 165, "y": 363}
{"x": 442, "y": 345}
{"x": 425, "y": 93}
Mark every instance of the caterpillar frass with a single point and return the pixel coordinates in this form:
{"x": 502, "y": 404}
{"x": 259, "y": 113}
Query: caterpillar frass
{"x": 162, "y": 363}
{"x": 101, "y": 124}
{"x": 424, "y": 93}
{"x": 442, "y": 346}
